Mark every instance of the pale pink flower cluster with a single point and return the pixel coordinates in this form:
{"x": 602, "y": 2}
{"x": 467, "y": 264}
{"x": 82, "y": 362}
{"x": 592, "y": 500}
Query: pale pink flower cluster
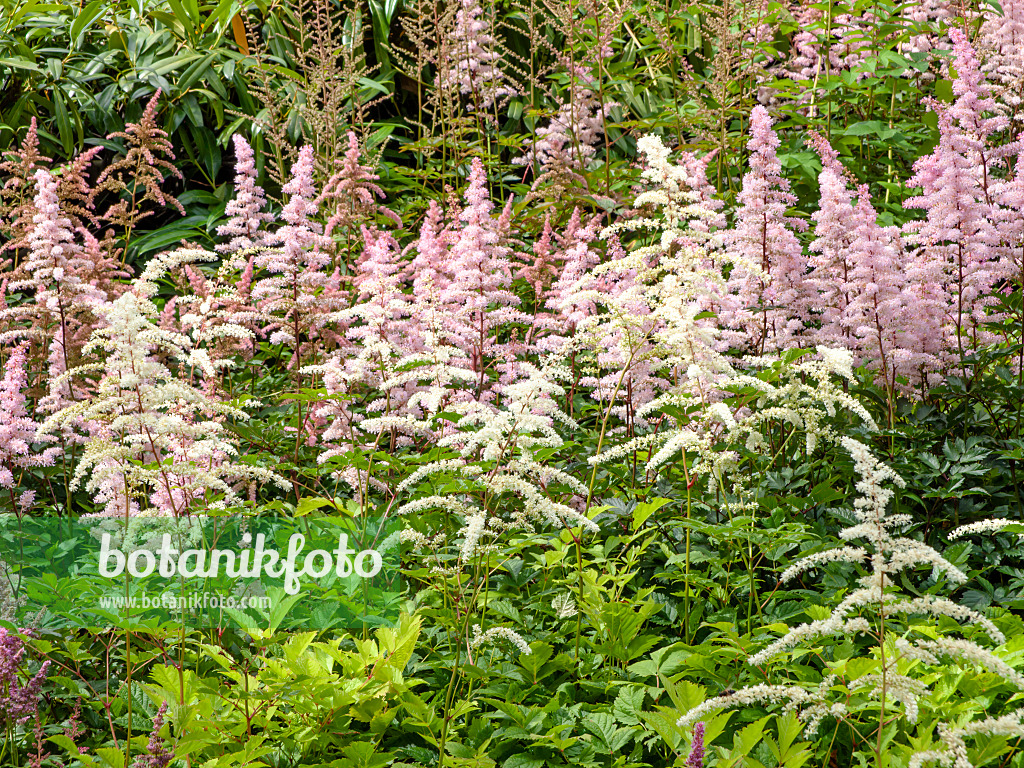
{"x": 17, "y": 428}
{"x": 472, "y": 63}
{"x": 571, "y": 139}
{"x": 767, "y": 283}
{"x": 1001, "y": 42}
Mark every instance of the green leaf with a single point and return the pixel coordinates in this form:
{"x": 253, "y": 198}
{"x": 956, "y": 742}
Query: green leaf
{"x": 63, "y": 121}
{"x": 646, "y": 509}
{"x": 84, "y": 19}
{"x": 20, "y": 64}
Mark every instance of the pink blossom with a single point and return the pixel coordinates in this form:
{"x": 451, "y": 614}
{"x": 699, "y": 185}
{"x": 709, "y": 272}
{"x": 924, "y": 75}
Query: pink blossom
{"x": 17, "y": 428}
{"x": 246, "y": 212}
{"x": 768, "y": 309}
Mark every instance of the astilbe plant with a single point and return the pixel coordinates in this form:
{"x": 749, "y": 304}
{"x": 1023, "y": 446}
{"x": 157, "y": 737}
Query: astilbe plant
{"x": 876, "y": 313}
{"x": 247, "y": 217}
{"x": 17, "y": 193}
{"x": 354, "y": 192}
{"x": 878, "y": 608}
{"x": 61, "y": 275}
{"x": 650, "y": 328}
{"x": 830, "y": 265}
{"x": 149, "y": 429}
{"x": 1001, "y": 43}
{"x": 478, "y": 296}
{"x": 295, "y": 292}
{"x": 772, "y": 301}
{"x": 569, "y": 142}
{"x": 18, "y": 701}
{"x": 956, "y": 261}
{"x": 18, "y": 430}
{"x": 856, "y": 272}
{"x": 141, "y": 174}
{"x": 473, "y": 67}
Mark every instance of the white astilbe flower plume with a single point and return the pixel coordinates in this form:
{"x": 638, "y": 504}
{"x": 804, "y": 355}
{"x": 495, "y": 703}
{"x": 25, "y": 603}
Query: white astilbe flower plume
{"x": 150, "y": 430}
{"x": 878, "y": 609}
{"x": 503, "y": 633}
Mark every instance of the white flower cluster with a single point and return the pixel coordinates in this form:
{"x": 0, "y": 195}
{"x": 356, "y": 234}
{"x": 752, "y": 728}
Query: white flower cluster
{"x": 502, "y": 633}
{"x": 149, "y": 428}
{"x": 875, "y": 609}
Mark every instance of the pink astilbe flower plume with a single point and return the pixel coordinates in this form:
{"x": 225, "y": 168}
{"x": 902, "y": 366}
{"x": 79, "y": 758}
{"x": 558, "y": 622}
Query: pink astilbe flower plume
{"x": 354, "y": 191}
{"x": 17, "y": 428}
{"x": 21, "y": 700}
{"x": 473, "y": 60}
{"x": 60, "y": 275}
{"x": 879, "y": 312}
{"x": 384, "y": 306}
{"x": 141, "y": 174}
{"x": 955, "y": 263}
{"x": 246, "y": 210}
{"x": 973, "y": 101}
{"x": 695, "y": 759}
{"x": 567, "y": 301}
{"x": 830, "y": 263}
{"x": 479, "y": 296}
{"x": 769, "y": 277}
{"x": 296, "y": 293}
{"x": 1001, "y": 41}
{"x": 17, "y": 193}
{"x": 157, "y": 755}
{"x": 429, "y": 266}
{"x": 570, "y": 140}
{"x": 539, "y": 271}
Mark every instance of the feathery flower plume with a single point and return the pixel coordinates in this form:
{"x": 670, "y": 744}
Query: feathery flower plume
{"x": 17, "y": 428}
{"x": 570, "y": 140}
{"x": 478, "y": 297}
{"x": 21, "y": 701}
{"x": 474, "y": 69}
{"x": 295, "y": 295}
{"x": 1001, "y": 42}
{"x": 878, "y": 314}
{"x": 354, "y": 191}
{"x": 247, "y": 216}
{"x": 830, "y": 265}
{"x": 769, "y": 277}
{"x": 696, "y": 757}
{"x": 141, "y": 173}
{"x": 17, "y": 193}
{"x": 157, "y": 755}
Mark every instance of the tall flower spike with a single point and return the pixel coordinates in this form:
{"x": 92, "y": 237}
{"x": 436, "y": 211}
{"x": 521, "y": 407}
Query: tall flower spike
{"x": 878, "y": 314}
{"x": 1001, "y": 41}
{"x": 474, "y": 68}
{"x": 18, "y": 191}
{"x": 570, "y": 140}
{"x": 973, "y": 100}
{"x": 770, "y": 267}
{"x": 954, "y": 264}
{"x": 246, "y": 210}
{"x": 479, "y": 296}
{"x": 696, "y": 757}
{"x": 355, "y": 192}
{"x": 830, "y": 265}
{"x": 17, "y": 429}
{"x": 145, "y": 166}
{"x": 295, "y": 295}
